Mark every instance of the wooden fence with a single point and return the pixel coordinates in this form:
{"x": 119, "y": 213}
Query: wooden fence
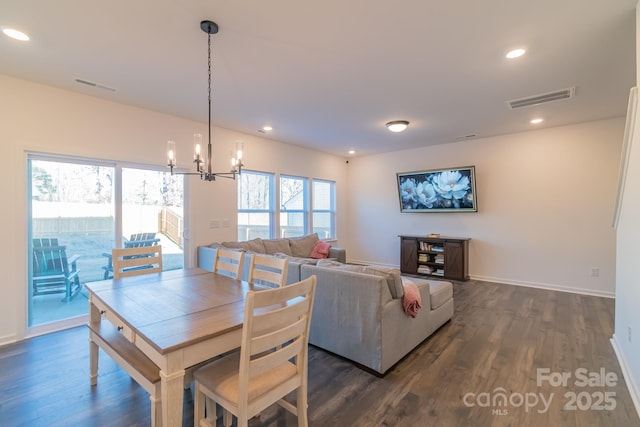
{"x": 170, "y": 224}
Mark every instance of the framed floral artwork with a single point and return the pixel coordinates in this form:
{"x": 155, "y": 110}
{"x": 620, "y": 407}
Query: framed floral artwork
{"x": 438, "y": 190}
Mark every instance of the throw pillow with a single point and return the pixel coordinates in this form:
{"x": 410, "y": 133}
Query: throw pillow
{"x": 394, "y": 281}
{"x": 320, "y": 250}
{"x": 302, "y": 246}
{"x": 272, "y": 246}
{"x": 255, "y": 245}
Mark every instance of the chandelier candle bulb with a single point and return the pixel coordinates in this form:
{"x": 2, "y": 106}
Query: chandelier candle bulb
{"x": 239, "y": 150}
{"x": 197, "y": 144}
{"x": 171, "y": 153}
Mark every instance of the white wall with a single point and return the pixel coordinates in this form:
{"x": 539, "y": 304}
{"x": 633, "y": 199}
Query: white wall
{"x": 545, "y": 203}
{"x": 44, "y": 119}
{"x": 627, "y": 277}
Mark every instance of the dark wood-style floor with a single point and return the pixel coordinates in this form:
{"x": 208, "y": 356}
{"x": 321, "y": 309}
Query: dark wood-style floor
{"x": 499, "y": 336}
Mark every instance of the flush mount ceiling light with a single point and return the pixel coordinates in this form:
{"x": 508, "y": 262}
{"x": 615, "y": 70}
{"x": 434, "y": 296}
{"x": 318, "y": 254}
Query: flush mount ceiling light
{"x": 397, "y": 125}
{"x": 536, "y": 121}
{"x": 204, "y": 167}
{"x": 515, "y": 53}
{"x": 15, "y": 34}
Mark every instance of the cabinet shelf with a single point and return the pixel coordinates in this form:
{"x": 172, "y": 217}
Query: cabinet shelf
{"x": 445, "y": 257}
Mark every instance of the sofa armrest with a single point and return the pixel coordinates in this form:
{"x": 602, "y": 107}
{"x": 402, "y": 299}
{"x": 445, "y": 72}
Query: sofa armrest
{"x": 338, "y": 253}
{"x": 206, "y": 257}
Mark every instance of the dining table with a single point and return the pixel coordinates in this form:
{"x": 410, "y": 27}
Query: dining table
{"x": 178, "y": 319}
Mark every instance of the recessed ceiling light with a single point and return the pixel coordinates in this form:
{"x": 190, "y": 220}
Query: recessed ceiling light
{"x": 515, "y": 53}
{"x": 397, "y": 125}
{"x": 15, "y": 34}
{"x": 536, "y": 121}
{"x": 267, "y": 128}
{"x": 352, "y": 151}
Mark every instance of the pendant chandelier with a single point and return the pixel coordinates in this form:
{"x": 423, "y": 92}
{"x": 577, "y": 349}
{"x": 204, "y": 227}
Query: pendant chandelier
{"x": 204, "y": 166}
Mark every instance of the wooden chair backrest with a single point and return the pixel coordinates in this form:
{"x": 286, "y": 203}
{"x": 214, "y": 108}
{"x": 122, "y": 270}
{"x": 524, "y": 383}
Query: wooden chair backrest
{"x": 268, "y": 270}
{"x": 276, "y": 332}
{"x": 229, "y": 262}
{"x": 141, "y": 239}
{"x": 48, "y": 260}
{"x": 135, "y": 261}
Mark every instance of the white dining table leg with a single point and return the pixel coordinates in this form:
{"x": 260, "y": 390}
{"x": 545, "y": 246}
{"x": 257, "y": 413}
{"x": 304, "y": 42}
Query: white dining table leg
{"x": 172, "y": 389}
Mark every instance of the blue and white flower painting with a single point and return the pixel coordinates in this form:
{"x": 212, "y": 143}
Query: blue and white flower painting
{"x": 438, "y": 190}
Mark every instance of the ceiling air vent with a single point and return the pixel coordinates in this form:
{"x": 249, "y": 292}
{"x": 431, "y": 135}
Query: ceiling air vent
{"x": 558, "y": 95}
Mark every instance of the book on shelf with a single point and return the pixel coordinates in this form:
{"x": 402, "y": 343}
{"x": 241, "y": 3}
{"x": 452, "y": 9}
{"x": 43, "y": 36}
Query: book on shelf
{"x": 425, "y": 269}
{"x": 437, "y": 248}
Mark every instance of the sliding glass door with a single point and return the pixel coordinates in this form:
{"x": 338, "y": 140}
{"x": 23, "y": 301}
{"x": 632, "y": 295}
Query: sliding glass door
{"x": 78, "y": 213}
{"x": 152, "y": 210}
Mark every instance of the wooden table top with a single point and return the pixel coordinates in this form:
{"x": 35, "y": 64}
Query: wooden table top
{"x": 177, "y": 308}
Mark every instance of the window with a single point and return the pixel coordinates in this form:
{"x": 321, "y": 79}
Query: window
{"x": 294, "y": 206}
{"x": 323, "y": 208}
{"x": 300, "y": 209}
{"x": 255, "y": 205}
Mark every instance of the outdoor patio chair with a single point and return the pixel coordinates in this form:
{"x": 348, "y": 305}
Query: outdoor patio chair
{"x": 135, "y": 261}
{"x": 137, "y": 240}
{"x": 53, "y": 272}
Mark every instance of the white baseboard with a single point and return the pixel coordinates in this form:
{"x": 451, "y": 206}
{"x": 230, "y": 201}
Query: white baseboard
{"x": 547, "y": 286}
{"x": 8, "y": 339}
{"x": 632, "y": 386}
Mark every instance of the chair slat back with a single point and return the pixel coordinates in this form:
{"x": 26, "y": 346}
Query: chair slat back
{"x": 268, "y": 270}
{"x": 229, "y": 262}
{"x": 141, "y": 239}
{"x": 48, "y": 260}
{"x": 276, "y": 332}
{"x": 136, "y": 261}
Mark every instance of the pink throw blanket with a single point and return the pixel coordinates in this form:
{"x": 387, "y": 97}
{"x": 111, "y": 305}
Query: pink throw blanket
{"x": 411, "y": 300}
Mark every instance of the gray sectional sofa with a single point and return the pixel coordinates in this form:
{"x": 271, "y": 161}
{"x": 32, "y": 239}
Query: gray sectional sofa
{"x": 358, "y": 314}
{"x": 296, "y": 249}
{"x": 358, "y": 310}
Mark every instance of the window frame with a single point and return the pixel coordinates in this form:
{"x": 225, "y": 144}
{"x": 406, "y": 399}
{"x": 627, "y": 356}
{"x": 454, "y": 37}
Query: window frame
{"x": 331, "y": 211}
{"x": 271, "y": 211}
{"x": 305, "y": 211}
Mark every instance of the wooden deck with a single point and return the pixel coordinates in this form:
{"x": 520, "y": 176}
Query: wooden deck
{"x": 499, "y": 336}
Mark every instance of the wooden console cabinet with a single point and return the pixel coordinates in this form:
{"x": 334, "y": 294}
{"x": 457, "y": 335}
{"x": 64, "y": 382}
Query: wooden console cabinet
{"x": 441, "y": 257}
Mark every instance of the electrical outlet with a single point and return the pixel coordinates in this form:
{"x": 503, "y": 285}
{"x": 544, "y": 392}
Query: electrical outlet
{"x": 595, "y": 272}
{"x": 629, "y": 330}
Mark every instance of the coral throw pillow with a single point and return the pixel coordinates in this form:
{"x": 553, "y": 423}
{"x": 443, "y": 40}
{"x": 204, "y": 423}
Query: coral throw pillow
{"x": 320, "y": 250}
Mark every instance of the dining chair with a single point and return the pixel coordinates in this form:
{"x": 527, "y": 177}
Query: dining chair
{"x": 268, "y": 270}
{"x": 229, "y": 262}
{"x": 135, "y": 261}
{"x": 271, "y": 363}
{"x": 134, "y": 241}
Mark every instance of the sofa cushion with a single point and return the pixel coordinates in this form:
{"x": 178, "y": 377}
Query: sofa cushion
{"x": 320, "y": 250}
{"x": 273, "y": 246}
{"x": 302, "y": 246}
{"x": 441, "y": 292}
{"x": 299, "y": 260}
{"x": 330, "y": 263}
{"x": 254, "y": 245}
{"x": 394, "y": 282}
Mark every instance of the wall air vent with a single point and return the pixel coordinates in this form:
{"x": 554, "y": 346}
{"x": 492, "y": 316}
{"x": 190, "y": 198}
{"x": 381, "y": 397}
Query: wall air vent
{"x": 558, "y": 95}
{"x": 93, "y": 84}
